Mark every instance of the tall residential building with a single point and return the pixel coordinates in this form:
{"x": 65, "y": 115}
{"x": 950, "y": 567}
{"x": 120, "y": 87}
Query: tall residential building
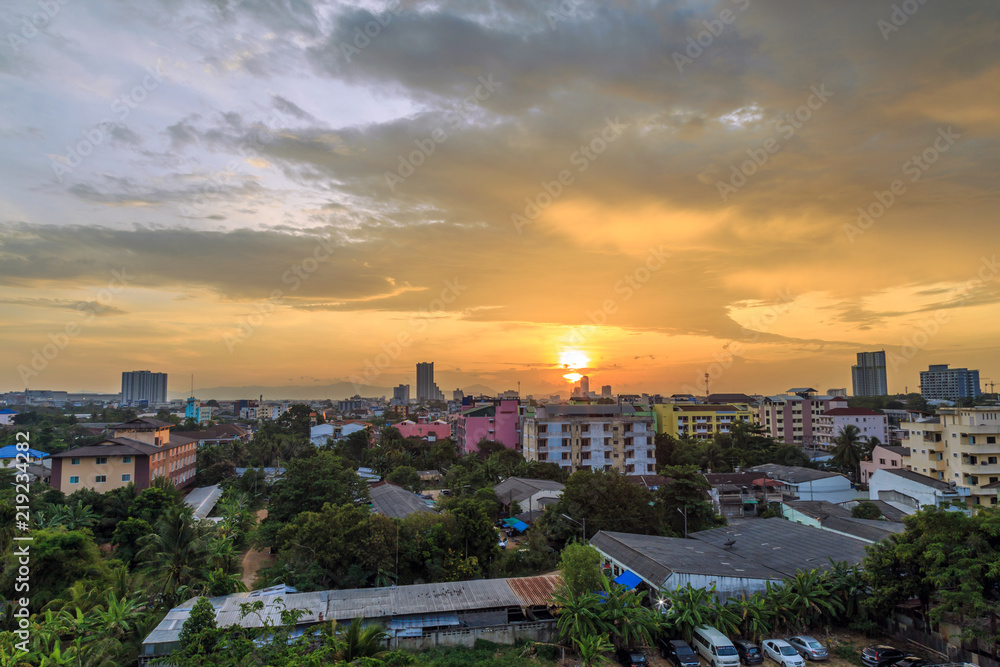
{"x": 958, "y": 446}
{"x": 868, "y": 374}
{"x": 598, "y": 437}
{"x": 497, "y": 420}
{"x": 828, "y": 425}
{"x": 585, "y": 385}
{"x": 144, "y": 387}
{"x": 606, "y": 391}
{"x": 401, "y": 394}
{"x": 427, "y": 390}
{"x": 790, "y": 418}
{"x": 949, "y": 384}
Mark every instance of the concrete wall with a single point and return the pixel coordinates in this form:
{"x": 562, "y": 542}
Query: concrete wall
{"x": 539, "y": 631}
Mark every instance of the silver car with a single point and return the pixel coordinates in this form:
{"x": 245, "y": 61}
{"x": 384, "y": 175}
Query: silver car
{"x": 808, "y": 648}
{"x": 782, "y": 653}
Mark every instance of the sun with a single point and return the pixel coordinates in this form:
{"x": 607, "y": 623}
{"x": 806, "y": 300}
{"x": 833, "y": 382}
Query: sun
{"x": 573, "y": 377}
{"x": 573, "y": 359}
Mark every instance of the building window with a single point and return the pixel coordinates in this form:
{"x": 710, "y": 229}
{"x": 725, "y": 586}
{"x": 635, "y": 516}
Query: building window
{"x": 882, "y": 461}
{"x": 74, "y": 479}
{"x": 74, "y": 461}
{"x": 126, "y": 459}
{"x": 102, "y": 460}
{"x": 100, "y": 479}
{"x": 126, "y": 478}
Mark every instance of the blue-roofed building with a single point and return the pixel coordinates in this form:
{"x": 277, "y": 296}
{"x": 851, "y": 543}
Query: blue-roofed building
{"x": 10, "y": 452}
{"x": 7, "y": 417}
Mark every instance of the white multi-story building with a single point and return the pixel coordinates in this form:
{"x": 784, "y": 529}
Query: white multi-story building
{"x": 828, "y": 425}
{"x": 960, "y": 446}
{"x": 598, "y": 437}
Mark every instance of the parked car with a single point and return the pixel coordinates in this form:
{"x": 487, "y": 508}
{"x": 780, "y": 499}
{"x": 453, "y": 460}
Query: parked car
{"x": 808, "y": 648}
{"x": 912, "y": 661}
{"x": 782, "y": 653}
{"x": 749, "y": 652}
{"x": 678, "y": 652}
{"x": 631, "y": 658}
{"x": 881, "y": 656}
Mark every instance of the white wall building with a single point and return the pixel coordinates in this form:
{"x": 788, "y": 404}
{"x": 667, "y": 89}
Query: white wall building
{"x": 909, "y": 490}
{"x": 828, "y": 425}
{"x": 810, "y": 484}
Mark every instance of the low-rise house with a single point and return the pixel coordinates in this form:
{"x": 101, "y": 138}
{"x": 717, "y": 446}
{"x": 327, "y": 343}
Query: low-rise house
{"x": 529, "y": 494}
{"x": 138, "y": 451}
{"x": 7, "y": 417}
{"x": 417, "y": 617}
{"x": 218, "y": 434}
{"x": 883, "y": 456}
{"x": 910, "y": 489}
{"x": 809, "y": 483}
{"x": 737, "y": 560}
{"x": 320, "y": 434}
{"x": 394, "y": 501}
{"x": 742, "y": 493}
{"x": 431, "y": 431}
{"x": 837, "y": 518}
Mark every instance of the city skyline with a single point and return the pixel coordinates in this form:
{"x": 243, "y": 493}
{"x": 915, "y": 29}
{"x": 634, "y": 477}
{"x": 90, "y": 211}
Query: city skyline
{"x": 259, "y": 196}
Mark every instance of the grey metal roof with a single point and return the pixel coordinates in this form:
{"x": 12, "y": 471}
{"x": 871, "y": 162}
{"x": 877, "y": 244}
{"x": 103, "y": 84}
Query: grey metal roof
{"x": 794, "y": 474}
{"x": 522, "y": 488}
{"x": 819, "y": 509}
{"x": 117, "y": 447}
{"x": 785, "y": 546}
{"x": 897, "y": 449}
{"x": 655, "y": 558}
{"x": 919, "y": 478}
{"x": 889, "y": 512}
{"x": 866, "y": 529}
{"x": 203, "y": 500}
{"x": 395, "y": 501}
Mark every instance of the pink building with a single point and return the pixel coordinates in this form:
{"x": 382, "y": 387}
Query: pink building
{"x": 883, "y": 457}
{"x": 497, "y": 421}
{"x": 429, "y": 431}
{"x": 790, "y": 418}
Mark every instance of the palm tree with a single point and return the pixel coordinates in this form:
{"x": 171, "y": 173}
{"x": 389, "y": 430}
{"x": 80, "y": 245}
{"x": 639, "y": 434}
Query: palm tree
{"x": 361, "y": 641}
{"x": 755, "y": 613}
{"x": 688, "y": 608}
{"x": 847, "y": 450}
{"x": 176, "y": 554}
{"x": 712, "y": 456}
{"x": 803, "y": 601}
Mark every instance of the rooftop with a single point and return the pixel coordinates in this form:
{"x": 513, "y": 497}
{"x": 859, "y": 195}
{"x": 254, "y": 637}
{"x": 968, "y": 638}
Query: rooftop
{"x": 522, "y": 488}
{"x": 395, "y": 501}
{"x": 203, "y": 500}
{"x": 852, "y": 412}
{"x": 794, "y": 474}
{"x": 914, "y": 476}
{"x": 141, "y": 424}
{"x": 785, "y": 546}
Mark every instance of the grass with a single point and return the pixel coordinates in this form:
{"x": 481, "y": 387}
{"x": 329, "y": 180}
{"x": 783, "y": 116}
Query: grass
{"x": 848, "y": 653}
{"x": 484, "y": 654}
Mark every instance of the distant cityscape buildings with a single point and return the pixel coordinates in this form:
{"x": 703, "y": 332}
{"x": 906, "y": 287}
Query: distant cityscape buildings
{"x": 939, "y": 382}
{"x": 606, "y": 391}
{"x": 144, "y": 387}
{"x": 868, "y": 375}
{"x": 401, "y": 394}
{"x": 427, "y": 390}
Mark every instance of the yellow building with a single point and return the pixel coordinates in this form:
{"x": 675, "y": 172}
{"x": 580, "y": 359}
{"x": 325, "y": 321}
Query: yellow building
{"x": 691, "y": 420}
{"x": 960, "y": 446}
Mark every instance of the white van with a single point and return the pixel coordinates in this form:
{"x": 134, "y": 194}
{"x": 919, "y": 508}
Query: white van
{"x": 715, "y": 647}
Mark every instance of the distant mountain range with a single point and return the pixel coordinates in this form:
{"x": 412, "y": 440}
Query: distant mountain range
{"x": 333, "y": 391}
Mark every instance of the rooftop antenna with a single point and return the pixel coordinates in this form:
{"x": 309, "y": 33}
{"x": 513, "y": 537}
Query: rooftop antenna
{"x": 192, "y": 385}
{"x": 706, "y": 385}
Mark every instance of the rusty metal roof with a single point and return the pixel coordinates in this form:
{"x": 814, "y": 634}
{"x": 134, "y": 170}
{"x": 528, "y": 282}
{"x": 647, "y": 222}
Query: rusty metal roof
{"x": 535, "y": 591}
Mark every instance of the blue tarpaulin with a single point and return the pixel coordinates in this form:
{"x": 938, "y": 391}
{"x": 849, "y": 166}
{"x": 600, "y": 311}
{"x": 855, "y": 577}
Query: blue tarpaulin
{"x": 629, "y": 579}
{"x": 516, "y": 524}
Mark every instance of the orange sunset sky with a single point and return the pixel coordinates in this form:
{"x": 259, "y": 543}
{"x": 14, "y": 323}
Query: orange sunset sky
{"x": 641, "y": 192}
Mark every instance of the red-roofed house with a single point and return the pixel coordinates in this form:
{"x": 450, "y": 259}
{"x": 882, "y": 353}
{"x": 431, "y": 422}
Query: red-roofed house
{"x": 429, "y": 431}
{"x": 828, "y": 425}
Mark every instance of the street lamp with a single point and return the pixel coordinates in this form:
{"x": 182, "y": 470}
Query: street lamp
{"x": 582, "y": 525}
{"x": 685, "y": 515}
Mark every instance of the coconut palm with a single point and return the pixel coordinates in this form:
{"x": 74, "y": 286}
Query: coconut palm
{"x": 361, "y": 641}
{"x": 712, "y": 456}
{"x": 176, "y": 553}
{"x": 847, "y": 451}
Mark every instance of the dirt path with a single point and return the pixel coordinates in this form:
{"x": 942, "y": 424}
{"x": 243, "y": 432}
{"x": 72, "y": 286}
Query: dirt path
{"x": 255, "y": 560}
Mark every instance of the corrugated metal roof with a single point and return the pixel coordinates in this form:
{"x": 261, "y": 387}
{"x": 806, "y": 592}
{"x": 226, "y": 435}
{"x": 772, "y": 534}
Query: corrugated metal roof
{"x": 395, "y": 501}
{"x": 535, "y": 591}
{"x": 454, "y": 596}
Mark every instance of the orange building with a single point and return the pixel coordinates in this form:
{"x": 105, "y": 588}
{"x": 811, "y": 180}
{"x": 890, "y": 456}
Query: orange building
{"x": 138, "y": 452}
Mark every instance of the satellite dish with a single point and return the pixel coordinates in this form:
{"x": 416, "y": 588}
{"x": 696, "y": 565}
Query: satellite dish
{"x": 730, "y": 543}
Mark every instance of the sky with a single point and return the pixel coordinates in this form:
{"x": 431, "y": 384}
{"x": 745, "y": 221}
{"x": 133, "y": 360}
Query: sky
{"x": 280, "y": 192}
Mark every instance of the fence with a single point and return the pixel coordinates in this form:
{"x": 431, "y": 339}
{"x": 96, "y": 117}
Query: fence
{"x": 937, "y": 644}
{"x": 539, "y": 631}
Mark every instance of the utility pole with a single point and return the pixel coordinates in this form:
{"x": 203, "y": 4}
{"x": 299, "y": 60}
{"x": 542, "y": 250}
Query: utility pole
{"x": 685, "y": 515}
